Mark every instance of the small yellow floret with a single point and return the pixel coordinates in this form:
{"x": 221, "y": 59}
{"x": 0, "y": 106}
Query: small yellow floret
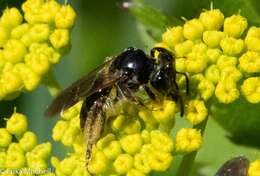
{"x": 14, "y": 51}
{"x": 11, "y": 18}
{"x": 123, "y": 163}
{"x": 213, "y": 38}
{"x": 60, "y": 38}
{"x": 173, "y": 36}
{"x": 196, "y": 112}
{"x": 226, "y": 91}
{"x": 161, "y": 141}
{"x": 193, "y": 29}
{"x": 65, "y": 17}
{"x": 188, "y": 140}
{"x": 167, "y": 113}
{"x": 250, "y": 62}
{"x": 251, "y": 89}
{"x": 252, "y": 39}
{"x": 17, "y": 124}
{"x": 182, "y": 49}
{"x": 213, "y": 74}
{"x": 235, "y": 25}
{"x": 212, "y": 19}
{"x": 232, "y": 46}
{"x": 131, "y": 143}
{"x": 5, "y": 138}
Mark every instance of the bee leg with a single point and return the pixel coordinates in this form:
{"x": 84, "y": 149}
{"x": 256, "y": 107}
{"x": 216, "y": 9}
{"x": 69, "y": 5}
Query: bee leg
{"x": 149, "y": 92}
{"x": 94, "y": 126}
{"x": 128, "y": 93}
{"x": 187, "y": 81}
{"x": 178, "y": 98}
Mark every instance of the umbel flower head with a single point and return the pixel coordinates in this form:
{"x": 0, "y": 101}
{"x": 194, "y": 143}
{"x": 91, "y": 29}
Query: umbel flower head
{"x": 31, "y": 43}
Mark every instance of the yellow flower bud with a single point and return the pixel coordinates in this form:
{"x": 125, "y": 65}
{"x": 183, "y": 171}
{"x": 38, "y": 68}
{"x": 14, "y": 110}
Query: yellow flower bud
{"x": 118, "y": 122}
{"x": 15, "y": 160}
{"x": 11, "y": 18}
{"x": 80, "y": 171}
{"x": 235, "y": 25}
{"x": 131, "y": 143}
{"x": 160, "y": 161}
{"x": 212, "y": 19}
{"x": 213, "y": 74}
{"x": 230, "y": 74}
{"x": 173, "y": 36}
{"x": 20, "y": 30}
{"x": 32, "y": 5}
{"x": 206, "y": 89}
{"x": 226, "y": 61}
{"x": 196, "y": 112}
{"x": 251, "y": 89}
{"x": 11, "y": 82}
{"x": 65, "y": 17}
{"x": 113, "y": 150}
{"x": 181, "y": 49}
{"x": 39, "y": 32}
{"x": 15, "y": 147}
{"x": 70, "y": 113}
{"x": 60, "y": 38}
{"x": 254, "y": 168}
{"x": 213, "y": 55}
{"x": 188, "y": 140}
{"x": 252, "y": 39}
{"x": 4, "y": 35}
{"x": 146, "y": 136}
{"x": 42, "y": 151}
{"x": 14, "y": 51}
{"x": 38, "y": 62}
{"x": 98, "y": 163}
{"x": 180, "y": 64}
{"x": 250, "y": 62}
{"x": 17, "y": 124}
{"x": 193, "y": 29}
{"x": 2, "y": 160}
{"x": 213, "y": 38}
{"x": 30, "y": 79}
{"x": 35, "y": 162}
{"x": 232, "y": 46}
{"x": 103, "y": 142}
{"x": 123, "y": 163}
{"x": 67, "y": 165}
{"x": 226, "y": 92}
{"x": 70, "y": 135}
{"x": 147, "y": 117}
{"x": 48, "y": 11}
{"x": 135, "y": 172}
{"x": 5, "y": 138}
{"x": 141, "y": 163}
{"x": 167, "y": 113}
{"x": 196, "y": 62}
{"x": 161, "y": 141}
{"x": 133, "y": 126}
{"x": 28, "y": 141}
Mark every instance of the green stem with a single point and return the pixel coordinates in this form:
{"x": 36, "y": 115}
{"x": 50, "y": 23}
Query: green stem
{"x": 52, "y": 84}
{"x": 188, "y": 160}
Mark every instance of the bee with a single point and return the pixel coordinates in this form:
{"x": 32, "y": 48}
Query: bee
{"x": 237, "y": 166}
{"x": 126, "y": 72}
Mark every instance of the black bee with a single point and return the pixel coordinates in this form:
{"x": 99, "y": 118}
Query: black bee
{"x": 127, "y": 72}
{"x": 237, "y": 166}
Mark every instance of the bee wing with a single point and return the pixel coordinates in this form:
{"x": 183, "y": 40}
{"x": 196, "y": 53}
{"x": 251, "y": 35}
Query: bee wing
{"x": 91, "y": 83}
{"x": 235, "y": 167}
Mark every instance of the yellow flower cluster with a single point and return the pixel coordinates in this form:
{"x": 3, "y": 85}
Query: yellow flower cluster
{"x": 254, "y": 168}
{"x": 134, "y": 142}
{"x": 20, "y": 153}
{"x": 218, "y": 53}
{"x": 32, "y": 43}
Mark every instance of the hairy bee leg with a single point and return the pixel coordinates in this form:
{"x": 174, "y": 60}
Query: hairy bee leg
{"x": 94, "y": 123}
{"x": 187, "y": 81}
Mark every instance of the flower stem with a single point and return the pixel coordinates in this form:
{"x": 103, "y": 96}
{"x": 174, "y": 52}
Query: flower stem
{"x": 188, "y": 160}
{"x": 52, "y": 84}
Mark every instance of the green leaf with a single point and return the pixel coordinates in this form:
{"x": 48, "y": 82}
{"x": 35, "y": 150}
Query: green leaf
{"x": 153, "y": 20}
{"x": 241, "y": 119}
